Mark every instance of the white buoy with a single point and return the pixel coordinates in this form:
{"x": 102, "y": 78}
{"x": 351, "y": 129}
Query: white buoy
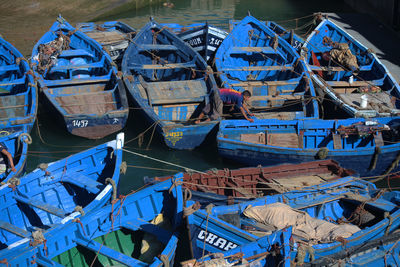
{"x": 351, "y": 79}
{"x": 364, "y": 101}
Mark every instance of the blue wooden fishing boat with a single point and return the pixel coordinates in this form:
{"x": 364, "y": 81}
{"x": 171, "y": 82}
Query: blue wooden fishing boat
{"x": 18, "y": 92}
{"x": 204, "y": 38}
{"x": 110, "y": 236}
{"x": 228, "y": 186}
{"x": 349, "y": 73}
{"x": 79, "y": 83}
{"x": 16, "y": 142}
{"x": 368, "y": 146}
{"x": 170, "y": 84}
{"x": 58, "y": 192}
{"x": 365, "y": 212}
{"x": 383, "y": 251}
{"x": 254, "y": 58}
{"x": 114, "y": 36}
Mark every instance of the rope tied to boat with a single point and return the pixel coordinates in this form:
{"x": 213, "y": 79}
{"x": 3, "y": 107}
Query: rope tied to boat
{"x": 175, "y": 183}
{"x": 14, "y": 182}
{"x": 208, "y": 209}
{"x": 165, "y": 260}
{"x": 375, "y": 157}
{"x": 322, "y": 153}
{"x": 394, "y": 164}
{"x": 27, "y": 139}
{"x": 77, "y": 220}
{"x": 302, "y": 252}
{"x": 38, "y": 238}
{"x": 187, "y": 194}
{"x": 387, "y": 215}
{"x": 114, "y": 188}
{"x": 80, "y": 210}
{"x": 19, "y": 59}
{"x": 4, "y": 261}
{"x": 275, "y": 42}
{"x": 191, "y": 209}
{"x": 123, "y": 167}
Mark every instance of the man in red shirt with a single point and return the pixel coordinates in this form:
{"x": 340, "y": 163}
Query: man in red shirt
{"x": 227, "y": 97}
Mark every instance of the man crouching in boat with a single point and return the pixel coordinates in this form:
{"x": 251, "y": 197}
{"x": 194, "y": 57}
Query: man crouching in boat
{"x": 3, "y": 165}
{"x": 227, "y": 97}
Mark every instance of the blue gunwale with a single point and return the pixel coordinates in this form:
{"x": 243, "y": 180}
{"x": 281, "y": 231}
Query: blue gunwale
{"x": 356, "y": 153}
{"x": 372, "y": 71}
{"x": 172, "y": 115}
{"x": 69, "y": 94}
{"x": 139, "y": 208}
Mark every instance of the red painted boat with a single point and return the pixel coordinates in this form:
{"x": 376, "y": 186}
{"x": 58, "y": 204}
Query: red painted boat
{"x": 246, "y": 183}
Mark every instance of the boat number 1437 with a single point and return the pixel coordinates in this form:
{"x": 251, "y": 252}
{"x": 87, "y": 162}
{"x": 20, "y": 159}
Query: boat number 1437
{"x": 80, "y": 123}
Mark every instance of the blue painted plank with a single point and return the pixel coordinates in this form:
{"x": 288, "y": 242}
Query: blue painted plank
{"x": 14, "y": 229}
{"x": 42, "y": 205}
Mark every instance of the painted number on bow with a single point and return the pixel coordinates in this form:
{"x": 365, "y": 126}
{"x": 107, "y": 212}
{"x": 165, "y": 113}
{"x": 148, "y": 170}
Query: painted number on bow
{"x": 80, "y": 123}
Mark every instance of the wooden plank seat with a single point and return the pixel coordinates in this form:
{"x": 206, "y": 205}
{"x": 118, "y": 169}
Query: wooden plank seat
{"x": 163, "y": 66}
{"x": 144, "y": 47}
{"x": 98, "y": 103}
{"x": 80, "y": 180}
{"x": 263, "y": 83}
{"x": 14, "y": 229}
{"x": 135, "y": 224}
{"x": 259, "y": 68}
{"x": 108, "y": 252}
{"x": 9, "y": 68}
{"x": 99, "y": 64}
{"x": 175, "y": 92}
{"x": 75, "y": 53}
{"x": 337, "y": 69}
{"x": 96, "y": 79}
{"x": 355, "y": 83}
{"x": 108, "y": 37}
{"x": 255, "y": 49}
{"x": 15, "y": 82}
{"x": 42, "y": 205}
{"x": 277, "y": 97}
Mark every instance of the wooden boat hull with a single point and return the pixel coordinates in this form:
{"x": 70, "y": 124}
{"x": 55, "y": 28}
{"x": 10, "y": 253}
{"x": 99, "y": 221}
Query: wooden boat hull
{"x": 254, "y": 58}
{"x": 324, "y": 196}
{"x": 226, "y": 186}
{"x": 170, "y": 96}
{"x": 59, "y": 192}
{"x": 114, "y": 36}
{"x": 363, "y": 159}
{"x": 18, "y": 96}
{"x": 204, "y": 38}
{"x": 346, "y": 87}
{"x": 99, "y": 232}
{"x": 81, "y": 86}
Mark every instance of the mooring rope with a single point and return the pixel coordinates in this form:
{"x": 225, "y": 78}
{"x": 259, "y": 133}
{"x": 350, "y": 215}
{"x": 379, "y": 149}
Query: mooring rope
{"x": 162, "y": 161}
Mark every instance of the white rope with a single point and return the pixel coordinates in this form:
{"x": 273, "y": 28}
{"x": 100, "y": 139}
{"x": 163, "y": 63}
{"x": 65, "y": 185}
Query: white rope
{"x": 162, "y": 161}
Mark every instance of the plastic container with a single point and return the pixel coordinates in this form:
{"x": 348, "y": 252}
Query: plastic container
{"x": 364, "y": 101}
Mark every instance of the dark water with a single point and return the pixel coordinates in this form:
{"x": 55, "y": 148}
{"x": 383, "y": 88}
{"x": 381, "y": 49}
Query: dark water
{"x": 23, "y": 29}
